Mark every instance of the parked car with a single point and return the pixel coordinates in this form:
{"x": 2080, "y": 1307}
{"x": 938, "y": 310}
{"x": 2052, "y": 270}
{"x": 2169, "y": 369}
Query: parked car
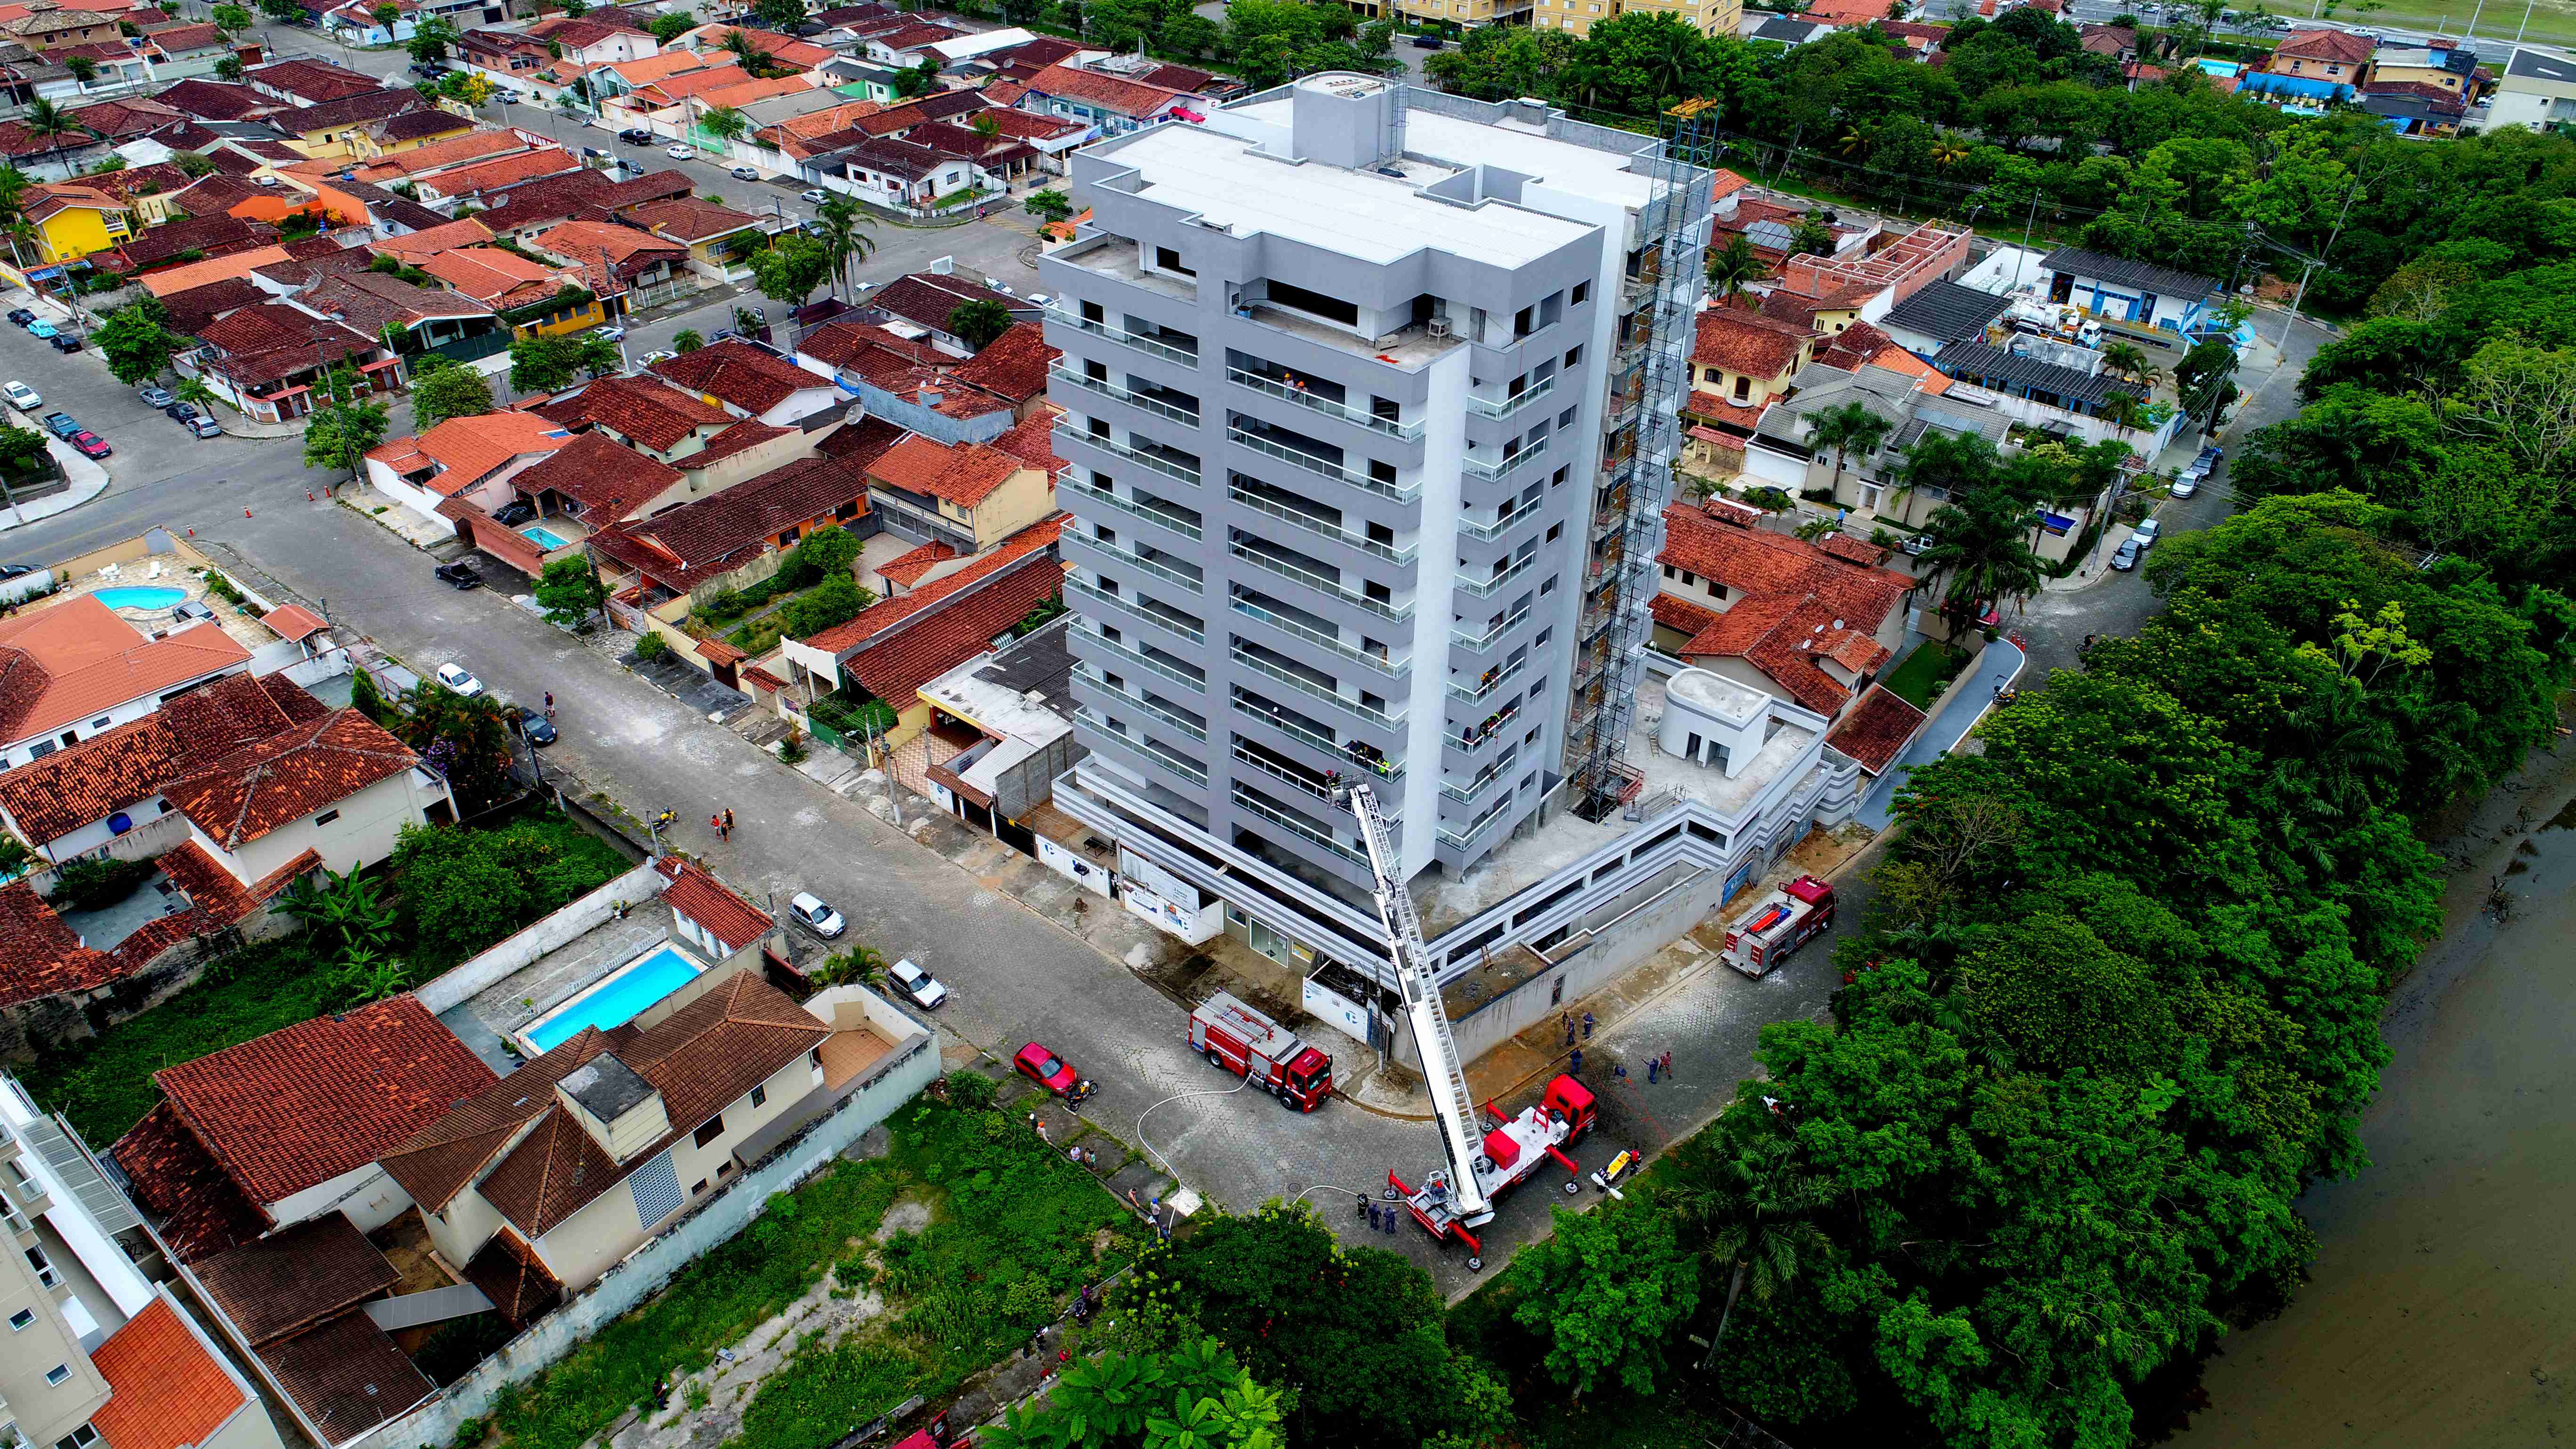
{"x": 22, "y": 397}
{"x": 456, "y": 678}
{"x": 810, "y": 911}
{"x": 743, "y": 173}
{"x": 179, "y": 412}
{"x": 21, "y": 316}
{"x": 916, "y": 985}
{"x": 2125, "y": 557}
{"x": 11, "y": 571}
{"x": 2148, "y": 528}
{"x": 815, "y": 197}
{"x": 66, "y": 341}
{"x": 539, "y": 729}
{"x": 1044, "y": 1068}
{"x": 205, "y": 427}
{"x": 154, "y": 395}
{"x": 1426, "y": 42}
{"x": 91, "y": 445}
{"x": 678, "y": 152}
{"x": 462, "y": 575}
{"x": 609, "y": 334}
{"x": 60, "y": 424}
{"x": 659, "y": 354}
{"x": 191, "y": 611}
{"x": 2185, "y": 485}
{"x": 635, "y": 136}
{"x": 41, "y": 329}
{"x": 516, "y": 514}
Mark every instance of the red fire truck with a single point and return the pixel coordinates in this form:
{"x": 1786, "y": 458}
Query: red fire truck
{"x": 1786, "y": 920}
{"x": 1236, "y": 1038}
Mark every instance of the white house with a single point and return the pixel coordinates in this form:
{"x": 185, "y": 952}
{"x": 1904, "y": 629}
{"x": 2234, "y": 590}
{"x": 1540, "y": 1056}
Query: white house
{"x": 76, "y": 669}
{"x": 340, "y": 788}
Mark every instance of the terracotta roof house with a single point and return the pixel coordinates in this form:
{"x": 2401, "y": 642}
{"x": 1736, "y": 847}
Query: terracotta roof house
{"x": 324, "y": 130}
{"x": 75, "y": 669}
{"x": 1793, "y": 619}
{"x": 1108, "y": 102}
{"x": 266, "y": 360}
{"x": 598, "y": 481}
{"x": 287, "y": 1127}
{"x": 863, "y": 350}
{"x": 296, "y": 1298}
{"x": 927, "y": 299}
{"x": 731, "y": 539}
{"x": 1740, "y": 360}
{"x": 1032, "y": 441}
{"x": 1877, "y": 730}
{"x": 66, "y": 804}
{"x": 219, "y": 235}
{"x": 308, "y": 82}
{"x": 171, "y": 281}
{"x": 612, "y": 258}
{"x": 417, "y": 247}
{"x": 193, "y": 309}
{"x": 339, "y": 789}
{"x": 501, "y": 280}
{"x": 462, "y": 456}
{"x": 895, "y": 647}
{"x": 645, "y": 413}
{"x": 438, "y": 156}
{"x": 207, "y": 100}
{"x": 1012, "y": 367}
{"x": 749, "y": 382}
{"x": 530, "y": 204}
{"x": 473, "y": 179}
{"x": 170, "y": 1387}
{"x": 974, "y": 495}
{"x": 584, "y": 1152}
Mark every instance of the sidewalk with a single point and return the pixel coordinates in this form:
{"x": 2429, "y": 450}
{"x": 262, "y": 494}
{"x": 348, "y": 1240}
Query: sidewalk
{"x": 1957, "y": 712}
{"x": 87, "y": 479}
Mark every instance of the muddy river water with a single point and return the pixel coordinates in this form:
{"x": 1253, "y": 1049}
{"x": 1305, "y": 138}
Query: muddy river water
{"x": 2442, "y": 1306}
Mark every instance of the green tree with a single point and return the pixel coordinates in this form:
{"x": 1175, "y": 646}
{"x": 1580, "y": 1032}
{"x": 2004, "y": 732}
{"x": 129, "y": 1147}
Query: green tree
{"x": 544, "y": 364}
{"x": 339, "y": 434}
{"x": 919, "y": 80}
{"x": 1193, "y": 1397}
{"x": 824, "y": 553}
{"x": 442, "y": 392}
{"x": 83, "y": 69}
{"x": 1734, "y": 267}
{"x": 227, "y": 68}
{"x": 1846, "y": 428}
{"x": 22, "y": 451}
{"x": 231, "y": 19}
{"x": 44, "y": 121}
{"x": 724, "y": 123}
{"x": 836, "y": 600}
{"x": 466, "y": 742}
{"x": 346, "y": 911}
{"x": 1049, "y": 206}
{"x": 135, "y": 343}
{"x": 687, "y": 340}
{"x": 843, "y": 235}
{"x": 280, "y": 10}
{"x": 670, "y": 25}
{"x": 780, "y": 15}
{"x": 1980, "y": 555}
{"x": 789, "y": 270}
{"x": 1606, "y": 1290}
{"x": 978, "y": 322}
{"x": 571, "y": 592}
{"x": 432, "y": 37}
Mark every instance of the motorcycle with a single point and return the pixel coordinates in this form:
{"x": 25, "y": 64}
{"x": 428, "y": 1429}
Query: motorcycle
{"x": 1080, "y": 1094}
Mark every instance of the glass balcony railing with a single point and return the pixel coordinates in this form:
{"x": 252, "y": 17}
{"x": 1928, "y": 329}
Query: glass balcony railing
{"x": 1321, "y": 584}
{"x": 1386, "y": 770}
{"x": 1497, "y": 471}
{"x": 1141, "y": 343}
{"x": 1321, "y": 528}
{"x": 1297, "y": 826}
{"x": 1272, "y": 387}
{"x": 1392, "y": 669}
{"x": 1458, "y": 632}
{"x": 1187, "y": 769}
{"x": 1485, "y": 688}
{"x": 1097, "y": 600}
{"x": 1129, "y": 396}
{"x": 1094, "y": 639}
{"x": 1467, "y": 794}
{"x": 1466, "y": 839}
{"x": 1283, "y": 774}
{"x": 1347, "y": 705}
{"x": 1136, "y": 561}
{"x": 1130, "y": 507}
{"x": 1155, "y": 461}
{"x": 1321, "y": 467}
{"x": 1139, "y": 702}
{"x": 1484, "y": 586}
{"x": 1486, "y": 407}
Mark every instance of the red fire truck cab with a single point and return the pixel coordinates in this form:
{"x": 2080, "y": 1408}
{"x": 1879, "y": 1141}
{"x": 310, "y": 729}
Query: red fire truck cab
{"x": 1236, "y": 1038}
{"x": 1785, "y": 920}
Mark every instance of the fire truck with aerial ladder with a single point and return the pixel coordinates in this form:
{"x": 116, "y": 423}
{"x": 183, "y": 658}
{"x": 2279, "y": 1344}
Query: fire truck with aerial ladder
{"x": 1483, "y": 1162}
{"x": 1236, "y": 1038}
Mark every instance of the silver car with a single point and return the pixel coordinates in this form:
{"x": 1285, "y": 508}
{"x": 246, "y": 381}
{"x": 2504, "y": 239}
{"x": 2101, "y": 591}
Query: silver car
{"x": 810, "y": 912}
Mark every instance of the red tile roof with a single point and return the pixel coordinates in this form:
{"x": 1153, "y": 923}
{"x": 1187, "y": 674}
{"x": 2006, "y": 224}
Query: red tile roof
{"x": 441, "y": 1160}
{"x": 1132, "y": 99}
{"x": 1877, "y": 730}
{"x": 706, "y": 900}
{"x": 1748, "y": 342}
{"x": 39, "y": 955}
{"x": 63, "y": 664}
{"x": 866, "y": 349}
{"x": 926, "y": 299}
{"x": 963, "y": 473}
{"x": 733, "y": 371}
{"x": 1758, "y": 562}
{"x": 1681, "y": 614}
{"x": 511, "y": 1275}
{"x": 742, "y": 437}
{"x": 302, "y": 1105}
{"x": 121, "y": 768}
{"x": 279, "y": 781}
{"x": 293, "y": 621}
{"x": 683, "y": 547}
{"x": 2329, "y": 45}
{"x": 296, "y": 1277}
{"x": 879, "y": 618}
{"x": 608, "y": 479}
{"x": 931, "y": 645}
{"x": 690, "y": 219}
{"x": 907, "y": 568}
{"x": 171, "y": 1173}
{"x": 1032, "y": 441}
{"x": 1013, "y": 365}
{"x": 166, "y": 1388}
{"x": 644, "y": 409}
{"x": 346, "y": 1373}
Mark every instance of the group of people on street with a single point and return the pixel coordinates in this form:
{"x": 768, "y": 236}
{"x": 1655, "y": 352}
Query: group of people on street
{"x": 1658, "y": 1068}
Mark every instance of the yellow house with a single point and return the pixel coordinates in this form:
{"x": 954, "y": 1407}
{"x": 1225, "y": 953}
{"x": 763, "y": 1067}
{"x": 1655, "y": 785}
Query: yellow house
{"x": 1741, "y": 361}
{"x": 974, "y": 490}
{"x": 1708, "y": 17}
{"x": 407, "y": 132}
{"x": 535, "y": 299}
{"x": 73, "y": 221}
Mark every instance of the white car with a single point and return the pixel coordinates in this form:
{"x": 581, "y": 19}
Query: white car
{"x": 811, "y": 913}
{"x": 613, "y": 334}
{"x": 455, "y": 678}
{"x": 678, "y": 152}
{"x": 659, "y": 354}
{"x": 22, "y": 397}
{"x": 2146, "y": 533}
{"x": 815, "y": 197}
{"x": 2186, "y": 485}
{"x": 917, "y": 985}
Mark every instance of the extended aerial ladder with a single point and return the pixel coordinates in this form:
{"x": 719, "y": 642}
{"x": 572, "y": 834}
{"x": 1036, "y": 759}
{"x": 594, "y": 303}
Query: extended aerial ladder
{"x": 1481, "y": 1163}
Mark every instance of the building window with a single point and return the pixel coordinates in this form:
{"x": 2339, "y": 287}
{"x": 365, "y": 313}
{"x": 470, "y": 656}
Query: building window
{"x": 1582, "y": 293}
{"x": 326, "y": 817}
{"x": 710, "y": 1132}
{"x": 760, "y": 1095}
{"x": 80, "y": 1438}
{"x": 697, "y": 1187}
{"x": 814, "y": 1059}
{"x": 19, "y": 1320}
{"x": 58, "y": 1375}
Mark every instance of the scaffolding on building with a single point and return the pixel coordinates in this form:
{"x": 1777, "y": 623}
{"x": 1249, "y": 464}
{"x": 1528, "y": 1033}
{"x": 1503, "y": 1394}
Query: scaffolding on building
{"x": 1642, "y": 431}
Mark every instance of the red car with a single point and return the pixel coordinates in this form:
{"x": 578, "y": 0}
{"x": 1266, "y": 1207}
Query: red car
{"x": 91, "y": 444}
{"x": 1042, "y": 1067}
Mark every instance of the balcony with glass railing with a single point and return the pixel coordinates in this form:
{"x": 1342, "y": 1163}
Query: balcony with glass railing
{"x": 1483, "y": 689}
{"x": 1495, "y": 472}
{"x": 1342, "y": 648}
{"x": 1458, "y": 632}
{"x": 1122, "y": 336}
{"x": 1170, "y": 467}
{"x": 1378, "y": 718}
{"x": 1283, "y": 774}
{"x": 1319, "y": 583}
{"x": 1470, "y": 792}
{"x": 1261, "y": 712}
{"x": 1104, "y": 731}
{"x": 1129, "y": 396}
{"x": 1321, "y": 467}
{"x": 1484, "y": 531}
{"x": 1133, "y": 509}
{"x": 1297, "y": 825}
{"x": 1506, "y": 407}
{"x": 1316, "y": 403}
{"x": 1465, "y": 839}
{"x": 1093, "y": 639}
{"x": 1099, "y": 601}
{"x": 1122, "y": 558}
{"x": 1321, "y": 527}
{"x": 1518, "y": 567}
{"x": 1138, "y": 702}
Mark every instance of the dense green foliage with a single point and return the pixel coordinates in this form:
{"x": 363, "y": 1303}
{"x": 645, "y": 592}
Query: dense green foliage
{"x": 461, "y": 890}
{"x": 571, "y": 591}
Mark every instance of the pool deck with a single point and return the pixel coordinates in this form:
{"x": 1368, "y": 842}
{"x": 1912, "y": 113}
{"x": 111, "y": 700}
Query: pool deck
{"x": 483, "y": 1020}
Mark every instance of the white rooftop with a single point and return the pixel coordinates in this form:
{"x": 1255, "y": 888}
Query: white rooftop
{"x": 1378, "y": 219}
{"x": 1511, "y": 145}
{"x": 1024, "y": 724}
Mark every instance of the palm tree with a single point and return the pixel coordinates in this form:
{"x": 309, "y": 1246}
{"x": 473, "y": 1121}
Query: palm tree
{"x": 842, "y": 240}
{"x": 46, "y": 121}
{"x": 746, "y": 50}
{"x": 194, "y": 390}
{"x": 1948, "y": 151}
{"x": 2125, "y": 359}
{"x": 724, "y": 123}
{"x": 1733, "y": 267}
{"x": 1846, "y": 428}
{"x": 1981, "y": 547}
{"x": 1756, "y": 1208}
{"x": 2124, "y": 411}
{"x": 1852, "y": 143}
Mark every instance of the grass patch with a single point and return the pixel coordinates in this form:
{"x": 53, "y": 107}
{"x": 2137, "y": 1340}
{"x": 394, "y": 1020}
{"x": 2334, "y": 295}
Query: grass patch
{"x": 1932, "y": 663}
{"x": 104, "y": 1085}
{"x": 1011, "y": 1233}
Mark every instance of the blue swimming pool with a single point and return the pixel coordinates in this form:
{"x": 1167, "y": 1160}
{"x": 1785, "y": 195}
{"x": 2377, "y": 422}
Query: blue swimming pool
{"x": 615, "y": 1001}
{"x": 141, "y": 597}
{"x": 542, "y": 536}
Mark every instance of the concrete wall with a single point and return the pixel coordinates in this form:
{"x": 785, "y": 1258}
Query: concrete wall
{"x": 647, "y": 1270}
{"x": 639, "y": 886}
